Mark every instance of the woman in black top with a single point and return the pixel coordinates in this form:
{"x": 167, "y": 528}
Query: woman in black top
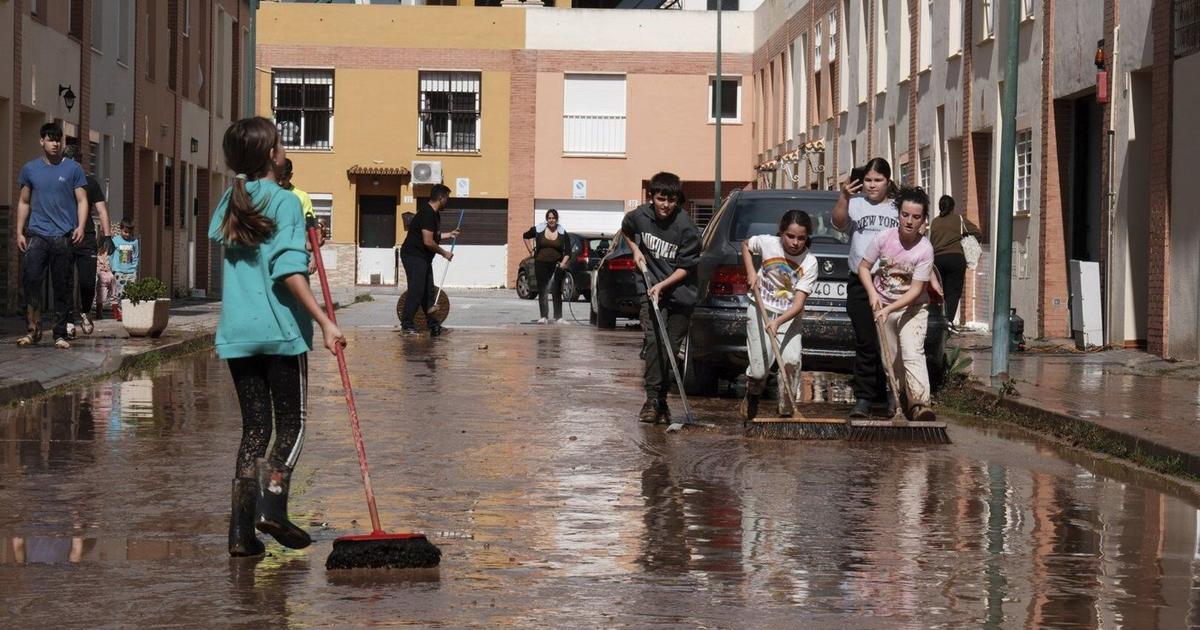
{"x": 551, "y": 254}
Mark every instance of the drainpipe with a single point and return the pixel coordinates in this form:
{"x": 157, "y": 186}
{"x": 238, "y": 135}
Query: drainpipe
{"x": 718, "y": 116}
{"x": 1110, "y": 185}
{"x": 1004, "y": 220}
{"x": 251, "y": 74}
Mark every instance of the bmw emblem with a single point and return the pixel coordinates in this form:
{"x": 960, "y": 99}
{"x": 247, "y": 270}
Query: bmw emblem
{"x": 827, "y": 266}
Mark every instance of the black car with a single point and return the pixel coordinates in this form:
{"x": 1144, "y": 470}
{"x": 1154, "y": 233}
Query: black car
{"x": 586, "y": 252}
{"x": 716, "y": 343}
{"x": 615, "y": 291}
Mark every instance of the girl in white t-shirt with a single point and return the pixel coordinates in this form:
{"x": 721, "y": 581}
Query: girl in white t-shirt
{"x": 864, "y": 218}
{"x": 784, "y": 279}
{"x": 896, "y": 289}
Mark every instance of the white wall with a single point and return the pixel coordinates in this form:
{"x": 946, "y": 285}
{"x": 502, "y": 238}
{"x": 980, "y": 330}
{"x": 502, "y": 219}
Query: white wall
{"x": 652, "y": 31}
{"x": 1183, "y": 319}
{"x": 474, "y": 266}
{"x": 582, "y": 215}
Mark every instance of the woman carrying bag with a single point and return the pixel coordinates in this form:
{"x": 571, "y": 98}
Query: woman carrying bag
{"x": 955, "y": 248}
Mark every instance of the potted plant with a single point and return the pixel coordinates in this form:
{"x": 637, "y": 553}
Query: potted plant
{"x": 145, "y": 307}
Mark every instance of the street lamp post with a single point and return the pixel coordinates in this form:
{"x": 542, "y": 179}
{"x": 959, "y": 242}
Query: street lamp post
{"x": 717, "y": 115}
{"x": 1004, "y": 219}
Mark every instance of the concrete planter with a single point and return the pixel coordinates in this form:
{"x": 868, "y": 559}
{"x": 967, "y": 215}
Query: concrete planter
{"x": 145, "y": 319}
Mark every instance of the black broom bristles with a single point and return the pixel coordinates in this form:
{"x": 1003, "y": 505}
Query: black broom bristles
{"x": 886, "y": 431}
{"x": 797, "y": 429}
{"x": 410, "y": 552}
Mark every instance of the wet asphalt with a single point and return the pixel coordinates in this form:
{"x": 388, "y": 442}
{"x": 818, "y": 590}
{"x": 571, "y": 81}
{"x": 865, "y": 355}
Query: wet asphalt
{"x": 515, "y": 448}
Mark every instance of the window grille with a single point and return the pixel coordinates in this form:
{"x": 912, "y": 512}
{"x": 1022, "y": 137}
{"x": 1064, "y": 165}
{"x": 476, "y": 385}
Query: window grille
{"x": 925, "y": 164}
{"x": 323, "y": 209}
{"x": 449, "y": 110}
{"x": 1024, "y": 172}
{"x": 302, "y": 101}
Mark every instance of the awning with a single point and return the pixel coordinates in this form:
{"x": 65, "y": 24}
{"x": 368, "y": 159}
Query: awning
{"x": 376, "y": 170}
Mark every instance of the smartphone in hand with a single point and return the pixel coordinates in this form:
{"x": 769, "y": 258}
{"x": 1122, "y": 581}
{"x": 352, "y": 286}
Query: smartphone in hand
{"x": 857, "y": 173}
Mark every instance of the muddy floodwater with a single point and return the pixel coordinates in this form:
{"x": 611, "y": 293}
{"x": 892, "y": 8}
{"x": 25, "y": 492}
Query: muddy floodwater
{"x": 555, "y": 508}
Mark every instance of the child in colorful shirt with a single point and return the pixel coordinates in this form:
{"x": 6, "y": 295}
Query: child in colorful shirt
{"x": 897, "y": 293}
{"x": 124, "y": 258}
{"x": 784, "y": 279}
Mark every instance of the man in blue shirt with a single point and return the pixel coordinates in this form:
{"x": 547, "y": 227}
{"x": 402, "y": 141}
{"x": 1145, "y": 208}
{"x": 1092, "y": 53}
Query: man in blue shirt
{"x": 54, "y": 203}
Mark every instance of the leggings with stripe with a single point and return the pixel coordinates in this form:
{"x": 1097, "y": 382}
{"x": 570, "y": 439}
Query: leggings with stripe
{"x": 271, "y": 387}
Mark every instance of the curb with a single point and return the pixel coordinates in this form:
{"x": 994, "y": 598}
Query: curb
{"x": 1091, "y": 436}
{"x": 114, "y": 364}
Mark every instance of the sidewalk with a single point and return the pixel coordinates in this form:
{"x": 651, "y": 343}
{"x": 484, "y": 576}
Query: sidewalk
{"x": 28, "y": 371}
{"x": 1133, "y": 404}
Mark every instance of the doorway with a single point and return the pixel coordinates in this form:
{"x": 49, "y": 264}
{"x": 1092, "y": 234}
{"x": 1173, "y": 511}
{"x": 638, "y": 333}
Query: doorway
{"x": 1084, "y": 212}
{"x": 377, "y": 239}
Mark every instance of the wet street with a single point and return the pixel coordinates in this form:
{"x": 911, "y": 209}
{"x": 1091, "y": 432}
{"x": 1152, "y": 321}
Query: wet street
{"x": 515, "y": 448}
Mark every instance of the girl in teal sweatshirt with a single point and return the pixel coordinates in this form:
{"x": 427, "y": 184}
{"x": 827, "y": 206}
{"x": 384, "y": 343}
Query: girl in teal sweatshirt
{"x": 265, "y": 331}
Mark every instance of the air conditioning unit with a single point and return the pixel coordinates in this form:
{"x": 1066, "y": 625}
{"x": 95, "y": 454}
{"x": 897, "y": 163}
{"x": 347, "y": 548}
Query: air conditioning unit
{"x": 424, "y": 172}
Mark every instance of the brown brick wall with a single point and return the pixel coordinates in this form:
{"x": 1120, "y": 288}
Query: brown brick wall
{"x": 1053, "y": 290}
{"x": 1159, "y": 271}
{"x": 914, "y": 54}
{"x": 967, "y": 185}
{"x": 521, "y": 144}
{"x": 10, "y": 253}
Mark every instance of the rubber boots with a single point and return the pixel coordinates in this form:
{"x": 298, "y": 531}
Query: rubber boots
{"x": 272, "y": 507}
{"x": 242, "y": 541}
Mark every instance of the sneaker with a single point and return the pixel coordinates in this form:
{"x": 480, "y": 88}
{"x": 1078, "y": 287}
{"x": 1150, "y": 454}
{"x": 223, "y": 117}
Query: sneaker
{"x": 664, "y": 412}
{"x": 561, "y": 321}
{"x": 748, "y": 407}
{"x": 921, "y": 413}
{"x": 86, "y": 324}
{"x": 62, "y": 344}
{"x": 862, "y": 409}
{"x": 70, "y": 331}
{"x": 26, "y": 340}
{"x": 649, "y": 412}
{"x": 543, "y": 320}
{"x": 408, "y": 332}
{"x": 437, "y": 330}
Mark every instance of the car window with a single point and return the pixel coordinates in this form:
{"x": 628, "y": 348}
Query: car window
{"x": 598, "y": 246}
{"x": 762, "y": 215}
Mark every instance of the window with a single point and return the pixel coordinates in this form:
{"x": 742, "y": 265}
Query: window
{"x": 97, "y": 26}
{"x": 323, "y": 208}
{"x": 1026, "y": 10}
{"x": 954, "y": 34}
{"x": 925, "y": 51}
{"x": 862, "y": 53}
{"x": 881, "y": 46}
{"x": 187, "y": 17}
{"x": 594, "y": 114}
{"x": 75, "y": 18}
{"x": 988, "y": 15}
{"x": 1024, "y": 172}
{"x": 302, "y": 101}
{"x": 800, "y": 85}
{"x": 726, "y": 5}
{"x": 123, "y": 25}
{"x": 833, "y": 31}
{"x": 731, "y": 100}
{"x": 1187, "y": 27}
{"x": 904, "y": 174}
{"x": 905, "y": 44}
{"x": 817, "y": 47}
{"x": 925, "y": 164}
{"x": 843, "y": 63}
{"x": 448, "y": 107}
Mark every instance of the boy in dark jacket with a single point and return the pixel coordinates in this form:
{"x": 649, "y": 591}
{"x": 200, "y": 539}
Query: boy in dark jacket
{"x": 667, "y": 241}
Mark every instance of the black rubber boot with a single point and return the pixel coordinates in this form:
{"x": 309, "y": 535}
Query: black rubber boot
{"x": 862, "y": 409}
{"x": 649, "y": 412}
{"x": 242, "y": 541}
{"x": 272, "y": 507}
{"x": 664, "y": 412}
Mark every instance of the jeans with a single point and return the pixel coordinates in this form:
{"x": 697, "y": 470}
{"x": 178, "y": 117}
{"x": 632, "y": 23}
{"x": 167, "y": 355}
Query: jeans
{"x": 419, "y": 271}
{"x": 953, "y": 268}
{"x": 44, "y": 256}
{"x": 904, "y": 334}
{"x": 549, "y": 282}
{"x": 762, "y": 354}
{"x": 657, "y": 377}
{"x": 868, "y": 383}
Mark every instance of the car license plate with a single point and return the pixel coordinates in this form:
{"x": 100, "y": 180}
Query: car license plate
{"x": 830, "y": 290}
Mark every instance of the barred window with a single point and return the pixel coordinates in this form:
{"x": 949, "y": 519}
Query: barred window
{"x": 925, "y": 164}
{"x": 1024, "y": 172}
{"x": 323, "y": 208}
{"x": 449, "y": 113}
{"x": 302, "y": 101}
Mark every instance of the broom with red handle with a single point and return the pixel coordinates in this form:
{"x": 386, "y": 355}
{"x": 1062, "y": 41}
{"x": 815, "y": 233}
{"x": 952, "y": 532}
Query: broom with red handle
{"x": 379, "y": 549}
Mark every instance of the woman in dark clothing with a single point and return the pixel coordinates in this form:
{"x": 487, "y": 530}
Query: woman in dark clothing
{"x": 551, "y": 254}
{"x": 946, "y": 234}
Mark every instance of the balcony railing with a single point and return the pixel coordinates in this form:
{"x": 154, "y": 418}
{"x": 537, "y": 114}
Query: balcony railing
{"x": 593, "y": 135}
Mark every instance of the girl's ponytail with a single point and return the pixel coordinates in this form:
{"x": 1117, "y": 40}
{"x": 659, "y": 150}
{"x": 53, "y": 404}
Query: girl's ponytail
{"x": 247, "y": 145}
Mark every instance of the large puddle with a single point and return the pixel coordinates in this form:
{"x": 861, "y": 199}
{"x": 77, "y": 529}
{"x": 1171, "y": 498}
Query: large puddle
{"x": 554, "y": 507}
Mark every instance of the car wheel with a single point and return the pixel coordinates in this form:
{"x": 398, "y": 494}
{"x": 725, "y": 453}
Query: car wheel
{"x": 698, "y": 379}
{"x": 569, "y": 294}
{"x": 524, "y": 291}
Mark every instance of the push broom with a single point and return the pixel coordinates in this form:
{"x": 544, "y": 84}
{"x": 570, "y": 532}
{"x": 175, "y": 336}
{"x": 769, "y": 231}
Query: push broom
{"x": 798, "y": 426}
{"x": 898, "y": 428}
{"x": 379, "y": 549}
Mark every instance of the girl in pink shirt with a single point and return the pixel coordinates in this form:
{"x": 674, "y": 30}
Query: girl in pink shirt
{"x": 896, "y": 289}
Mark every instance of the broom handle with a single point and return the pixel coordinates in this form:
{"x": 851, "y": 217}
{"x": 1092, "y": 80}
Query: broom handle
{"x": 886, "y": 351}
{"x": 314, "y": 241}
{"x": 453, "y": 242}
{"x": 783, "y": 375}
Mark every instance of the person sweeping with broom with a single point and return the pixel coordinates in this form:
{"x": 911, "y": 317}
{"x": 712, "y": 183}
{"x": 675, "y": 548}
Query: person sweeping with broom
{"x": 783, "y": 282}
{"x": 265, "y": 331}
